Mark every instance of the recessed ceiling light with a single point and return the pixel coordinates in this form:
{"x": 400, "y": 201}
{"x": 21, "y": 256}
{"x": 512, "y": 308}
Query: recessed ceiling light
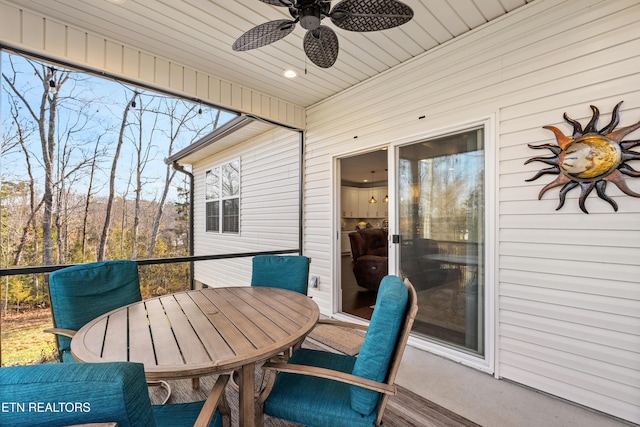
{"x": 290, "y": 74}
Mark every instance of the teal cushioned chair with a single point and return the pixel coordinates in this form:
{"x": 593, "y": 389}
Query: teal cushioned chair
{"x": 62, "y": 394}
{"x": 320, "y": 388}
{"x": 289, "y": 272}
{"x": 83, "y": 292}
{"x": 286, "y": 272}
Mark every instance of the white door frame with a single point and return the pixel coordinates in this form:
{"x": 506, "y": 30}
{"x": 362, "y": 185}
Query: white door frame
{"x": 485, "y": 363}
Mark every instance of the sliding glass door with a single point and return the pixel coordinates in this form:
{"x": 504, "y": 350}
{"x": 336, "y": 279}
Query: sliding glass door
{"x": 441, "y": 208}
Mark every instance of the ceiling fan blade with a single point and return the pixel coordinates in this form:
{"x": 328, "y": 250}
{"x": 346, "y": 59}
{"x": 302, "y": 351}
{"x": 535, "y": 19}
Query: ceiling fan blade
{"x": 370, "y": 15}
{"x": 283, "y": 3}
{"x": 264, "y": 34}
{"x": 321, "y": 46}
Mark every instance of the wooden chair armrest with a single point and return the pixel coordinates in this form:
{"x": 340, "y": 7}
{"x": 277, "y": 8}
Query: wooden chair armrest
{"x": 391, "y": 389}
{"x": 216, "y": 396}
{"x": 334, "y": 322}
{"x": 60, "y": 331}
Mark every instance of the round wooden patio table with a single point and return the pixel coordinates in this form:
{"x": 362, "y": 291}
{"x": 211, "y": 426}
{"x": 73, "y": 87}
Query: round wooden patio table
{"x": 202, "y": 332}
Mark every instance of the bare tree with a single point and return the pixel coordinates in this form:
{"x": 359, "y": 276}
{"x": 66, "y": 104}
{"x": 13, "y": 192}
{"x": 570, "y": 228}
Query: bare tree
{"x": 175, "y": 130}
{"x": 21, "y": 136}
{"x": 73, "y": 164}
{"x": 44, "y": 113}
{"x": 142, "y": 154}
{"x": 123, "y": 221}
{"x": 90, "y": 188}
{"x": 102, "y": 248}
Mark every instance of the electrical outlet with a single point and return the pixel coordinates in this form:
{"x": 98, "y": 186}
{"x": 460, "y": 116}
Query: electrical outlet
{"x": 314, "y": 281}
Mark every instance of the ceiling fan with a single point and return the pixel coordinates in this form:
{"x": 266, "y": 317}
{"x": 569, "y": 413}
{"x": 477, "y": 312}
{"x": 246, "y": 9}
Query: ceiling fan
{"x": 320, "y": 41}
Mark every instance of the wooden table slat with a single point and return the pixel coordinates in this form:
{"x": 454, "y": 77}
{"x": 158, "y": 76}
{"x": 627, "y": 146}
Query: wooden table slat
{"x": 115, "y": 341}
{"x": 93, "y": 342}
{"x": 283, "y": 304}
{"x": 162, "y": 335}
{"x": 188, "y": 341}
{"x": 140, "y": 343}
{"x": 236, "y": 341}
{"x": 199, "y": 315}
{"x": 261, "y": 327}
{"x": 275, "y": 316}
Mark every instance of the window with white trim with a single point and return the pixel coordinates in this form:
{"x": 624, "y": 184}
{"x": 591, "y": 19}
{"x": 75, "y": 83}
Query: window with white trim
{"x": 222, "y": 198}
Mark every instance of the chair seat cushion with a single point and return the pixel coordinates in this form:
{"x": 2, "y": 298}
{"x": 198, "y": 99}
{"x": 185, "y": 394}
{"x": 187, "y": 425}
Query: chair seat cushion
{"x": 182, "y": 414}
{"x": 315, "y": 401}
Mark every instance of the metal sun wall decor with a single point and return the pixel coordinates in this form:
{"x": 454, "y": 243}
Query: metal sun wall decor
{"x": 589, "y": 159}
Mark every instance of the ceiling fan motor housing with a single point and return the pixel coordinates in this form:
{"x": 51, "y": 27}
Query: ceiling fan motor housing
{"x": 310, "y": 13}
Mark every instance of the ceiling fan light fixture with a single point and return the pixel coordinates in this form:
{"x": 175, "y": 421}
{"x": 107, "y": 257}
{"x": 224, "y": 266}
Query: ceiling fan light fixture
{"x": 310, "y": 17}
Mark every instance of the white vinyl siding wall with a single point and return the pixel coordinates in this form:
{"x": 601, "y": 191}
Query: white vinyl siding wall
{"x": 29, "y": 31}
{"x": 269, "y": 212}
{"x": 566, "y": 284}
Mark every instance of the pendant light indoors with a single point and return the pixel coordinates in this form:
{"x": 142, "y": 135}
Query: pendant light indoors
{"x": 372, "y": 199}
{"x": 386, "y": 196}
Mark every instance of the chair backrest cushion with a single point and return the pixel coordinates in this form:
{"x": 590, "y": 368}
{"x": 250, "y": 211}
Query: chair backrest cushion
{"x": 380, "y": 341}
{"x": 83, "y": 292}
{"x": 285, "y": 272}
{"x": 58, "y": 394}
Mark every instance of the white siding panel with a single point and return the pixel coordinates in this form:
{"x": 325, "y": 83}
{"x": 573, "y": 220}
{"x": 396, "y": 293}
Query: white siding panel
{"x": 571, "y": 283}
{"x": 35, "y": 33}
{"x": 113, "y": 57}
{"x": 269, "y": 209}
{"x": 10, "y": 22}
{"x": 567, "y": 283}
{"x": 190, "y": 82}
{"x": 586, "y": 333}
{"x": 147, "y": 66}
{"x": 55, "y": 38}
{"x": 77, "y": 45}
{"x": 561, "y": 386}
{"x": 131, "y": 62}
{"x": 598, "y": 393}
{"x": 163, "y": 72}
{"x": 34, "y": 36}
{"x": 606, "y": 321}
{"x": 95, "y": 51}
{"x": 605, "y": 376}
{"x": 176, "y": 77}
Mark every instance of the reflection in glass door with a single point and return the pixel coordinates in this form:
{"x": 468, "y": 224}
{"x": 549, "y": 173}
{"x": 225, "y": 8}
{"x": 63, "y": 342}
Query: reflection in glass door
{"x": 441, "y": 218}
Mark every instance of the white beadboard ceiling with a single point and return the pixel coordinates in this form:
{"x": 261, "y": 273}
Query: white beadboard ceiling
{"x": 199, "y": 34}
